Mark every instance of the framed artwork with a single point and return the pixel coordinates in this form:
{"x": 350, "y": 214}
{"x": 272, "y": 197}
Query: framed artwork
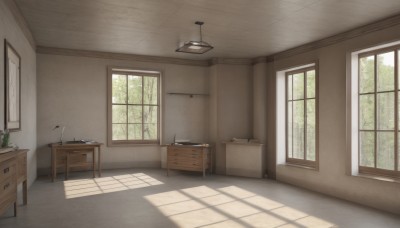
{"x": 12, "y": 88}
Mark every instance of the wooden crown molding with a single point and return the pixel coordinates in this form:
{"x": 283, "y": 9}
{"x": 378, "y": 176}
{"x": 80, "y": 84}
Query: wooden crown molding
{"x": 119, "y": 56}
{"x": 369, "y": 28}
{"x": 20, "y": 19}
{"x": 259, "y": 60}
{"x": 230, "y": 61}
{"x": 266, "y": 59}
{"x": 141, "y": 58}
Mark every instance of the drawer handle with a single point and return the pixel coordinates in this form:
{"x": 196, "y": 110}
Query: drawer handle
{"x": 6, "y": 170}
{"x": 6, "y": 186}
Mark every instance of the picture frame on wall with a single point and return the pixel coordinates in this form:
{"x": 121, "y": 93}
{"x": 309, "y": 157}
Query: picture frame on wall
{"x": 12, "y": 88}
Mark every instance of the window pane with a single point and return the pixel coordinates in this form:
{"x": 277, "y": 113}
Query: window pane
{"x": 367, "y": 112}
{"x": 289, "y": 88}
{"x": 119, "y": 131}
{"x": 311, "y": 130}
{"x": 385, "y": 71}
{"x": 311, "y": 84}
{"x": 298, "y": 129}
{"x": 290, "y": 134}
{"x": 134, "y": 89}
{"x": 385, "y": 150}
{"x": 135, "y": 114}
{"x": 119, "y": 114}
{"x": 150, "y": 131}
{"x": 367, "y": 142}
{"x": 385, "y": 111}
{"x": 150, "y": 114}
{"x": 398, "y": 152}
{"x": 298, "y": 86}
{"x": 118, "y": 89}
{"x": 150, "y": 90}
{"x": 398, "y": 70}
{"x": 367, "y": 69}
{"x": 135, "y": 131}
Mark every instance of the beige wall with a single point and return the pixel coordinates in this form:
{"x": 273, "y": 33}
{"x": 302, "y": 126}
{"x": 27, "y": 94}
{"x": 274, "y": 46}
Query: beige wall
{"x": 334, "y": 157}
{"x": 72, "y": 92}
{"x": 259, "y": 88}
{"x": 26, "y": 138}
{"x": 231, "y": 107}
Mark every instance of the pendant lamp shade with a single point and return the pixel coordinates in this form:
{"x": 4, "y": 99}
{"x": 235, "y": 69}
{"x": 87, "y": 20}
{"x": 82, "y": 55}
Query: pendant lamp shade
{"x": 196, "y": 47}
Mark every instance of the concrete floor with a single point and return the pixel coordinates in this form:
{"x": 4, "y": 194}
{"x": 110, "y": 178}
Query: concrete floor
{"x": 148, "y": 198}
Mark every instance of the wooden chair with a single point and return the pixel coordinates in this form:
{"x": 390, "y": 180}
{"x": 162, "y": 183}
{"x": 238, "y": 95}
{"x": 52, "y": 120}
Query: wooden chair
{"x": 73, "y": 152}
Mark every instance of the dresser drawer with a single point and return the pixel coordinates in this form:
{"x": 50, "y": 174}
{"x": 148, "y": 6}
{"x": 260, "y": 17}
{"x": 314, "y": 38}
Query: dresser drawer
{"x": 183, "y": 160}
{"x": 186, "y": 153}
{"x": 6, "y": 202}
{"x": 8, "y": 168}
{"x": 187, "y": 158}
{"x": 184, "y": 149}
{"x": 7, "y": 188}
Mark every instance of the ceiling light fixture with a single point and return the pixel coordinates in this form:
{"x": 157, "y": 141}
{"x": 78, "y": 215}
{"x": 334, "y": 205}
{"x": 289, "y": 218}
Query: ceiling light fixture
{"x": 196, "y": 47}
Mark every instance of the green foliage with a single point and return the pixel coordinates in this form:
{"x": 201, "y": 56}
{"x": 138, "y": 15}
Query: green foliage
{"x": 5, "y": 139}
{"x": 299, "y": 126}
{"x": 135, "y": 107}
{"x": 384, "y": 100}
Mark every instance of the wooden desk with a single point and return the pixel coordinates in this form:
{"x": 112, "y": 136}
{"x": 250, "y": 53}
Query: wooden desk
{"x": 189, "y": 158}
{"x": 13, "y": 171}
{"x": 56, "y": 148}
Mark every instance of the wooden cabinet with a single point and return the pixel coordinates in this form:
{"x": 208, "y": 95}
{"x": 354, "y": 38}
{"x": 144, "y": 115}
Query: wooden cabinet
{"x": 245, "y": 159}
{"x": 190, "y": 158}
{"x": 12, "y": 172}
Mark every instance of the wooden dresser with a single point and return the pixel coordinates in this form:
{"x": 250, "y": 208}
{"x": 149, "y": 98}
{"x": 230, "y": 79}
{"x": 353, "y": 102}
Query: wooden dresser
{"x": 190, "y": 158}
{"x": 12, "y": 172}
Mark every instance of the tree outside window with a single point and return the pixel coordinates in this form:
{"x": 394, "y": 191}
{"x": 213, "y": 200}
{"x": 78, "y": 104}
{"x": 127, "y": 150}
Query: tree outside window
{"x": 301, "y": 117}
{"x": 133, "y": 107}
{"x": 378, "y": 113}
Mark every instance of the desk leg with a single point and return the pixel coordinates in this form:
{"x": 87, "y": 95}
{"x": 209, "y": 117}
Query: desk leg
{"x": 94, "y": 163}
{"x": 15, "y": 209}
{"x": 99, "y": 161}
{"x": 66, "y": 165}
{"x": 210, "y": 161}
{"x": 25, "y": 192}
{"x": 204, "y": 163}
{"x": 53, "y": 164}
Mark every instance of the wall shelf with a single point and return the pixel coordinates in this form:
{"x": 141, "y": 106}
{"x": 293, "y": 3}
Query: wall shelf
{"x": 189, "y": 94}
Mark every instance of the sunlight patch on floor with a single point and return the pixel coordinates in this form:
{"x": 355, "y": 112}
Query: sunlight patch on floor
{"x": 231, "y": 206}
{"x": 96, "y": 186}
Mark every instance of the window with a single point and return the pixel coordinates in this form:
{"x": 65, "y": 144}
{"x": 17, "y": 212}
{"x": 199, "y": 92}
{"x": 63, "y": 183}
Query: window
{"x": 378, "y": 112}
{"x": 301, "y": 117}
{"x": 133, "y": 107}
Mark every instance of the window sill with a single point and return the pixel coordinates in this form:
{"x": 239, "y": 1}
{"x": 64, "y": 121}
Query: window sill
{"x": 378, "y": 178}
{"x": 299, "y": 166}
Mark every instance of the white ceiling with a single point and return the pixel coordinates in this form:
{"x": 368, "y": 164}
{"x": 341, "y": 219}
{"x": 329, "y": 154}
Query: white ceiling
{"x": 236, "y": 28}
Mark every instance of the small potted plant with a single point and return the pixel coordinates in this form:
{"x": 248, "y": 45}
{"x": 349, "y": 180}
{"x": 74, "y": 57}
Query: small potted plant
{"x": 5, "y": 138}
{"x": 5, "y": 141}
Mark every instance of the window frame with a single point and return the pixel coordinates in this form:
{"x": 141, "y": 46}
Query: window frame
{"x": 374, "y": 170}
{"x": 143, "y": 73}
{"x": 295, "y": 161}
